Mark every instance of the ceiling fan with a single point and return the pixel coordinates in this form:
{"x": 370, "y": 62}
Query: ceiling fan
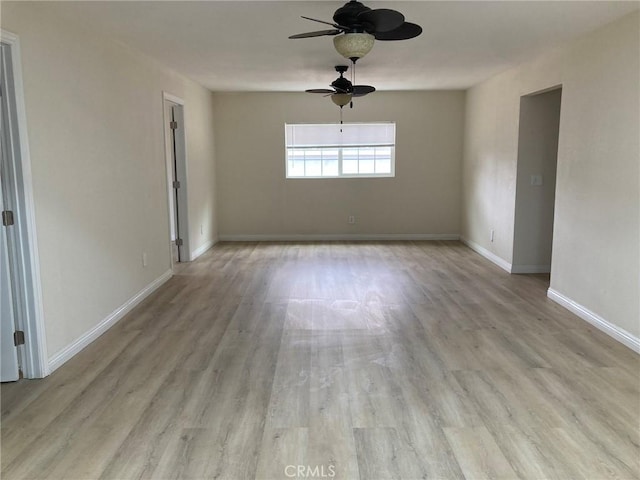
{"x": 343, "y": 90}
{"x": 356, "y": 27}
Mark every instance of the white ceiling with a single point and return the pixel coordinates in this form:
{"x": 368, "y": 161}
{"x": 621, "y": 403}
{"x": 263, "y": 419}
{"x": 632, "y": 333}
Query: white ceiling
{"x": 243, "y": 45}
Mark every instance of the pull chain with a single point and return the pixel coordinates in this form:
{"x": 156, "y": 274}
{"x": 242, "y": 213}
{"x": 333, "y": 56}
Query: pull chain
{"x": 353, "y": 77}
{"x": 353, "y": 72}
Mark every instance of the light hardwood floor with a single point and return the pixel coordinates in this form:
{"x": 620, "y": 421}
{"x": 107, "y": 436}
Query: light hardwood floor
{"x": 372, "y": 361}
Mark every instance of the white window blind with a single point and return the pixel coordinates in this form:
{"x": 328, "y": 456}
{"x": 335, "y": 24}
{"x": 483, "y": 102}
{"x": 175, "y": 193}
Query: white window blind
{"x": 340, "y": 150}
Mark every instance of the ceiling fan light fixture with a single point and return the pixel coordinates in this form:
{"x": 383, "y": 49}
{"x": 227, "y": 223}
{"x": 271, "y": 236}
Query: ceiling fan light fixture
{"x": 341, "y": 99}
{"x": 353, "y": 45}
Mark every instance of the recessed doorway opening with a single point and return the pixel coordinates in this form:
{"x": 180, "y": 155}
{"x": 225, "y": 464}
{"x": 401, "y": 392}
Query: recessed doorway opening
{"x": 536, "y": 181}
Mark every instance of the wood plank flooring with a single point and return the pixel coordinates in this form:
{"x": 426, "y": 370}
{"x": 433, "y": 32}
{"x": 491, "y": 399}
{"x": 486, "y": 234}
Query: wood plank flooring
{"x": 372, "y": 361}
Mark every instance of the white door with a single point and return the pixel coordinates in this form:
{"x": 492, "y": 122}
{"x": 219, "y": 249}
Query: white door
{"x": 174, "y": 135}
{"x": 177, "y": 177}
{"x": 8, "y": 351}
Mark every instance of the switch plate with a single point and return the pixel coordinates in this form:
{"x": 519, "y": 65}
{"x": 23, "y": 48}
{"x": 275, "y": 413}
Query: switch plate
{"x": 536, "y": 180}
{"x": 144, "y": 259}
{"x": 351, "y": 219}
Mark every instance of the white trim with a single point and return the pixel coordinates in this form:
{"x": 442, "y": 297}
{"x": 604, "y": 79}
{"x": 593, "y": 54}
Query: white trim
{"x": 201, "y": 249}
{"x": 530, "y": 268}
{"x": 487, "y": 254}
{"x": 172, "y": 98}
{"x": 338, "y": 237}
{"x": 64, "y": 355}
{"x": 36, "y": 365}
{"x": 597, "y": 321}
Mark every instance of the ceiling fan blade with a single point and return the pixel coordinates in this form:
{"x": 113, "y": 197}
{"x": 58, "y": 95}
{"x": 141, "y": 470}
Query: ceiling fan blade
{"x": 319, "y": 33}
{"x": 322, "y": 21}
{"x": 320, "y": 90}
{"x": 381, "y": 19}
{"x": 404, "y": 32}
{"x": 362, "y": 90}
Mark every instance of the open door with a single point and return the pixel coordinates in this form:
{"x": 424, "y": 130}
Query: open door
{"x": 177, "y": 178}
{"x": 9, "y": 370}
{"x": 9, "y": 352}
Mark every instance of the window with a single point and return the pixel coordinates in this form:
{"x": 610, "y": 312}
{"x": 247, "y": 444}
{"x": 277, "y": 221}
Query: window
{"x": 332, "y": 150}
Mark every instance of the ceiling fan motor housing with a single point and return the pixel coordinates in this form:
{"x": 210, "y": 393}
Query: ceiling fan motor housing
{"x": 356, "y": 26}
{"x": 342, "y": 85}
{"x": 347, "y": 16}
{"x": 343, "y": 90}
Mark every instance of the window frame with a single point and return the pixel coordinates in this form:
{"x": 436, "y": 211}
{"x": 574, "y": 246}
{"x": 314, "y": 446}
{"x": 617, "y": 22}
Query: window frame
{"x": 340, "y": 149}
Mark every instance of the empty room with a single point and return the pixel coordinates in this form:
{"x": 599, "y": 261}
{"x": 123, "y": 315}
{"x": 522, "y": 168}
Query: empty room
{"x": 315, "y": 239}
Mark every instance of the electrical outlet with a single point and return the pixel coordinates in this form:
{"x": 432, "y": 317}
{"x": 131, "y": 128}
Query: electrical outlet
{"x": 144, "y": 259}
{"x": 492, "y": 235}
{"x": 351, "y": 219}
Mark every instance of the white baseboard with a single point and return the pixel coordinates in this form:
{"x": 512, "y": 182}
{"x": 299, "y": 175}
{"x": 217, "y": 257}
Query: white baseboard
{"x": 64, "y": 355}
{"x": 492, "y": 257}
{"x": 597, "y": 321}
{"x": 530, "y": 268}
{"x": 201, "y": 249}
{"x": 339, "y": 237}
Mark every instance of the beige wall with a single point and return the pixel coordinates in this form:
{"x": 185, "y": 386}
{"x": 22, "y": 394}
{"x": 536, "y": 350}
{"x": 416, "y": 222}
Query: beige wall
{"x": 95, "y": 113}
{"x": 254, "y": 197}
{"x": 596, "y": 241}
{"x": 201, "y": 167}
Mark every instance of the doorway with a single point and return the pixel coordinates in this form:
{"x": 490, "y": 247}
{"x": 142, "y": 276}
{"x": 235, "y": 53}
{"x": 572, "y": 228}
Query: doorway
{"x": 22, "y": 334}
{"x": 175, "y": 148}
{"x": 536, "y": 181}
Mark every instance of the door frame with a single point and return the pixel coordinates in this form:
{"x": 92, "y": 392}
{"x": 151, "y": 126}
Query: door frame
{"x": 33, "y": 358}
{"x": 181, "y": 168}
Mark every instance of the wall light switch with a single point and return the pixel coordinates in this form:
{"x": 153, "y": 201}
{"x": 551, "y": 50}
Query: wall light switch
{"x": 536, "y": 180}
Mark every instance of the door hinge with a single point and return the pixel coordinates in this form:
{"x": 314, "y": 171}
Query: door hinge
{"x": 176, "y": 184}
{"x": 179, "y": 242}
{"x": 7, "y": 218}
{"x": 18, "y": 337}
{"x": 173, "y": 125}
